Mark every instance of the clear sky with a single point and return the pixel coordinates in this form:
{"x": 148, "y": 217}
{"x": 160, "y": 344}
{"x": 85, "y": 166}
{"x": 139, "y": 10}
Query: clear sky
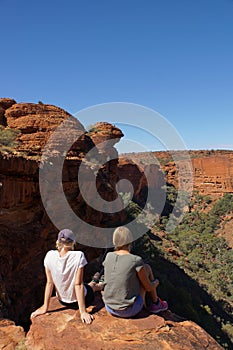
{"x": 173, "y": 56}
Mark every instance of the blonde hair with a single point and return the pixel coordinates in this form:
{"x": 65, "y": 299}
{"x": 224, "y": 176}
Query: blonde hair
{"x": 64, "y": 244}
{"x": 122, "y": 236}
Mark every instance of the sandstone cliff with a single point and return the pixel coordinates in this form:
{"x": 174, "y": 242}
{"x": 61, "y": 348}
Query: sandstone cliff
{"x": 26, "y": 230}
{"x": 212, "y": 170}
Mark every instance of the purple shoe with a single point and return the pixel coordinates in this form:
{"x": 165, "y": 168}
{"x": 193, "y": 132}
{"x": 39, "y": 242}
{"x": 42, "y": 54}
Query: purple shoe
{"x": 161, "y": 306}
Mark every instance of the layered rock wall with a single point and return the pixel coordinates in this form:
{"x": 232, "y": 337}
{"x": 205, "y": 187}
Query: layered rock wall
{"x": 19, "y": 181}
{"x": 214, "y": 175}
{"x": 26, "y": 230}
{"x": 212, "y": 171}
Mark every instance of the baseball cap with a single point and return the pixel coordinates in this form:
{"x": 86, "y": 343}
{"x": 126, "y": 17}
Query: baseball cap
{"x": 66, "y": 235}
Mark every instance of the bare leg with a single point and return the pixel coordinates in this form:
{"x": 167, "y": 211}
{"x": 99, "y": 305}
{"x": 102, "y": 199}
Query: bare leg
{"x": 153, "y": 292}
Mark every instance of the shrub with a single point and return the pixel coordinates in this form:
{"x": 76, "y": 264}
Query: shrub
{"x": 8, "y": 137}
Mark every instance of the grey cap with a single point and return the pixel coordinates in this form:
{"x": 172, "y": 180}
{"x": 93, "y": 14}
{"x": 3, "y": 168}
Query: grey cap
{"x": 66, "y": 235}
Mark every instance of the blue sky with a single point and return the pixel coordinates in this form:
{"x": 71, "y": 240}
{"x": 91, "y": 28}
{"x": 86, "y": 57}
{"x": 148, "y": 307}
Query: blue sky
{"x": 173, "y": 56}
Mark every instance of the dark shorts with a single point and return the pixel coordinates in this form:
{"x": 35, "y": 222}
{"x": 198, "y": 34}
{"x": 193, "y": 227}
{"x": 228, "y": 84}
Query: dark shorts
{"x": 130, "y": 311}
{"x": 89, "y": 298}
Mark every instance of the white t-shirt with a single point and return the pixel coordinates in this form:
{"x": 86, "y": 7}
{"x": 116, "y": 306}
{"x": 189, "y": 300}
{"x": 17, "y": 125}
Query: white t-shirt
{"x": 63, "y": 270}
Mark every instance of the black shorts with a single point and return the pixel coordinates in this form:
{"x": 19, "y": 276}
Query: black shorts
{"x": 89, "y": 298}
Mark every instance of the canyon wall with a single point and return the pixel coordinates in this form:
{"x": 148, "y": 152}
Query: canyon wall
{"x": 212, "y": 171}
{"x": 27, "y": 232}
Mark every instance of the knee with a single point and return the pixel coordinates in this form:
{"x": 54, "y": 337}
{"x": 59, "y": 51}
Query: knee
{"x": 148, "y": 269}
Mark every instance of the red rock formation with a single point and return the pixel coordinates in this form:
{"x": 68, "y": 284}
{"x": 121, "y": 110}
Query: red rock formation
{"x": 212, "y": 170}
{"x": 6, "y": 102}
{"x": 27, "y": 232}
{"x": 36, "y": 123}
{"x": 60, "y": 328}
{"x": 25, "y": 226}
{"x": 131, "y": 171}
{"x": 19, "y": 182}
{"x": 11, "y": 335}
{"x": 103, "y": 131}
{"x": 214, "y": 175}
{"x": 145, "y": 179}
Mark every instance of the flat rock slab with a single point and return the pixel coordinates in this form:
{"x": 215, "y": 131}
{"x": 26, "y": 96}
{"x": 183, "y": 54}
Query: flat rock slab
{"x": 61, "y": 329}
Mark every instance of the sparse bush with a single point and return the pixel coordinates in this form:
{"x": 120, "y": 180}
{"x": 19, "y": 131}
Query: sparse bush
{"x": 8, "y": 137}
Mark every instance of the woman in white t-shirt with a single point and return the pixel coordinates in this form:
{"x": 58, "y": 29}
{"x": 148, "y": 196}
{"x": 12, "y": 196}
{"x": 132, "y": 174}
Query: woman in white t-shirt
{"x": 64, "y": 270}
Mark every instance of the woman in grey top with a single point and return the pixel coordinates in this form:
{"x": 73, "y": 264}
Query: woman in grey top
{"x": 127, "y": 279}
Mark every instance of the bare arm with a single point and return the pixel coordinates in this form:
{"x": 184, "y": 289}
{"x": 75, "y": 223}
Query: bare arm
{"x": 47, "y": 295}
{"x": 79, "y": 291}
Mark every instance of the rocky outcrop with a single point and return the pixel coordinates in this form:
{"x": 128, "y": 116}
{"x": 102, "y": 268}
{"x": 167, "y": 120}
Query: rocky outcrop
{"x": 105, "y": 136}
{"x": 61, "y": 328}
{"x": 26, "y": 230}
{"x": 11, "y": 335}
{"x": 5, "y": 103}
{"x": 37, "y": 122}
{"x": 103, "y": 131}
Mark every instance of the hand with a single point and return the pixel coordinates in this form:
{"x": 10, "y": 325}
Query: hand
{"x": 86, "y": 317}
{"x": 42, "y": 310}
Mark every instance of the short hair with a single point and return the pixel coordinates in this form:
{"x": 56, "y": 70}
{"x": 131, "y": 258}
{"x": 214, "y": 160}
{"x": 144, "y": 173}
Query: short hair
{"x": 122, "y": 236}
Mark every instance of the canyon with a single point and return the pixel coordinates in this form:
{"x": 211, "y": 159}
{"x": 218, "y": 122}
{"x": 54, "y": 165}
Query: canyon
{"x": 27, "y": 232}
